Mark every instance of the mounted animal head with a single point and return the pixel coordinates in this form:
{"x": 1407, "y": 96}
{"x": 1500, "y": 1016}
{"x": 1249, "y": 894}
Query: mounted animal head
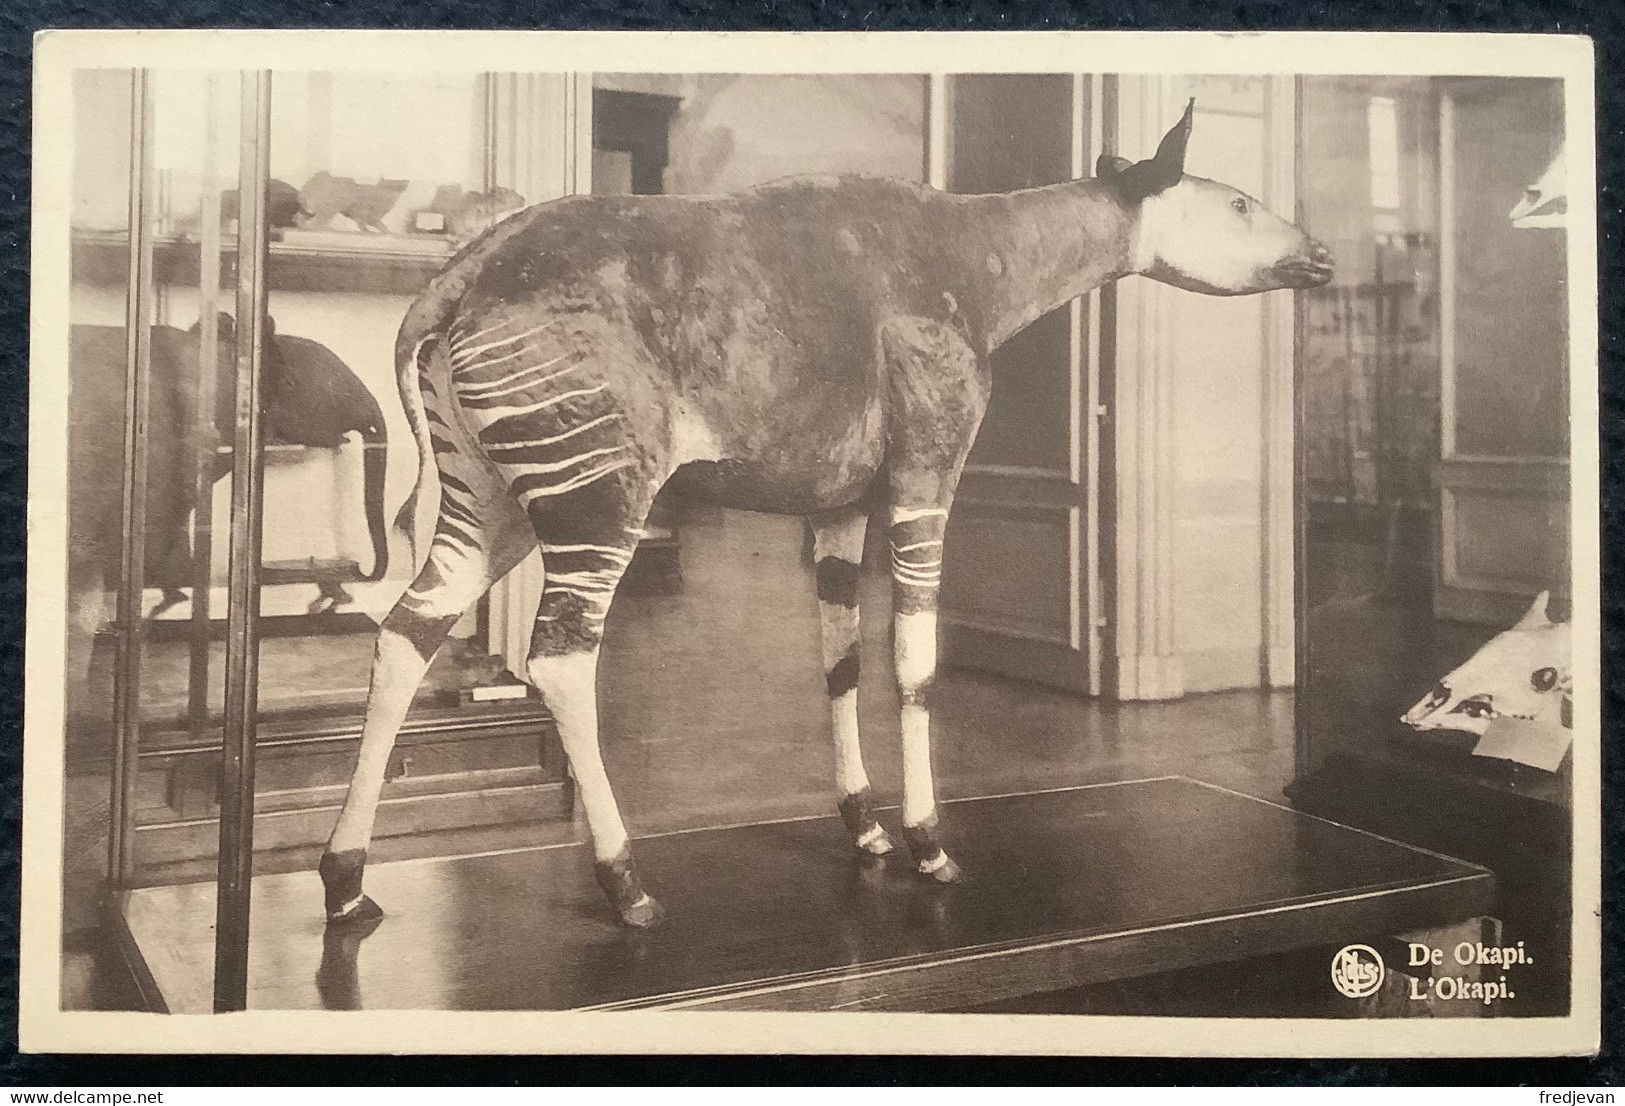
{"x": 1204, "y": 236}
{"x": 1523, "y": 673}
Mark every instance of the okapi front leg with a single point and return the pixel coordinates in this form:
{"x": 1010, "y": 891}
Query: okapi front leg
{"x": 916, "y": 550}
{"x": 838, "y": 553}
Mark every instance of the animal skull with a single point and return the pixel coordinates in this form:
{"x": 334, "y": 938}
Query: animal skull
{"x": 1546, "y": 202}
{"x": 1523, "y": 672}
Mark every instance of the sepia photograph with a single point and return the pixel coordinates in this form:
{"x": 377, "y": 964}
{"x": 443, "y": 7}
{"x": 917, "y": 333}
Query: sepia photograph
{"x": 606, "y": 542}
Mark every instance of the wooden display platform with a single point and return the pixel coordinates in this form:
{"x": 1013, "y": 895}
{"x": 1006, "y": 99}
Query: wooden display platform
{"x": 1063, "y": 888}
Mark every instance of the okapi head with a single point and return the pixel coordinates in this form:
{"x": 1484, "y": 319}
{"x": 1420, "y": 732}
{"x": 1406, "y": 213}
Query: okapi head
{"x": 1523, "y": 672}
{"x": 1204, "y": 236}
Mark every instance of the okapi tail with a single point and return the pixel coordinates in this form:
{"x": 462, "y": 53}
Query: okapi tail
{"x": 374, "y": 465}
{"x": 422, "y": 333}
{"x": 409, "y": 348}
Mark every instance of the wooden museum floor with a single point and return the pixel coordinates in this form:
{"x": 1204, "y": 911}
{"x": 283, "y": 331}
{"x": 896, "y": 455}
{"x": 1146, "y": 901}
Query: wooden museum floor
{"x": 714, "y": 714}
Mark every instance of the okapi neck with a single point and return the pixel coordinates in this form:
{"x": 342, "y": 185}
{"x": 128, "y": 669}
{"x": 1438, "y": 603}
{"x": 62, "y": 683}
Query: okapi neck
{"x": 1045, "y": 246}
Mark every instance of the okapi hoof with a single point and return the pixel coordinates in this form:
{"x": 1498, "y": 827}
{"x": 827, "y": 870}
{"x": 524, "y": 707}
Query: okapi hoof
{"x": 356, "y": 915}
{"x": 877, "y": 842}
{"x": 363, "y": 914}
{"x": 634, "y": 906}
{"x": 646, "y": 913}
{"x": 341, "y": 888}
{"x": 942, "y": 869}
{"x": 928, "y": 855}
{"x": 859, "y": 818}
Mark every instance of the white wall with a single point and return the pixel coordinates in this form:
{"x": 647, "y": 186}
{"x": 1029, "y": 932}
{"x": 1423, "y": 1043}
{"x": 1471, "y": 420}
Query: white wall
{"x": 732, "y": 131}
{"x": 1218, "y": 368}
{"x": 1204, "y": 428}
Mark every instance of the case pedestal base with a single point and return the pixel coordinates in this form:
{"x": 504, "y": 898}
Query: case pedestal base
{"x": 1062, "y": 888}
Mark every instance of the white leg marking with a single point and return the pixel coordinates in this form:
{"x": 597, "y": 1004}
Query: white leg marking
{"x": 555, "y": 466}
{"x": 850, "y": 776}
{"x": 574, "y": 482}
{"x": 514, "y": 381}
{"x": 569, "y": 686}
{"x": 916, "y": 636}
{"x": 611, "y": 553}
{"x": 397, "y": 670}
{"x": 919, "y": 578}
{"x": 461, "y": 354}
{"x": 909, "y": 514}
{"x": 542, "y": 405}
{"x": 457, "y": 339}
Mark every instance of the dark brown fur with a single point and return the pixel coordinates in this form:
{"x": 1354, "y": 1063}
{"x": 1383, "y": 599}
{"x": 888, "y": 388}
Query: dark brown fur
{"x": 822, "y": 329}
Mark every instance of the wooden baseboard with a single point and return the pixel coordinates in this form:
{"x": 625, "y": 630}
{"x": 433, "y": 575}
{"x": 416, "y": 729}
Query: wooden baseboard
{"x": 1043, "y": 662}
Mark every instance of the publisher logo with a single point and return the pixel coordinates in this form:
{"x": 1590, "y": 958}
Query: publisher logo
{"x": 1357, "y": 971}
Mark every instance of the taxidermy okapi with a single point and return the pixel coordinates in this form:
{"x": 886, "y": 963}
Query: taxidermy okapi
{"x": 808, "y": 347}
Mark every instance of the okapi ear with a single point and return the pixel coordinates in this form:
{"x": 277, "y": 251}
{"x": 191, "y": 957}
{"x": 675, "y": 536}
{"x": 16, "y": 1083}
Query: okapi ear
{"x": 1171, "y": 150}
{"x": 1165, "y": 168}
{"x": 1110, "y": 165}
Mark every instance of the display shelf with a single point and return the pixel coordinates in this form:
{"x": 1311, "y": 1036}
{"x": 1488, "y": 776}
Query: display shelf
{"x": 1064, "y": 887}
{"x": 368, "y": 264}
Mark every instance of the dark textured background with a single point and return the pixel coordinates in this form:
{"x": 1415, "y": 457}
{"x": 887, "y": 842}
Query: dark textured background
{"x": 19, "y": 20}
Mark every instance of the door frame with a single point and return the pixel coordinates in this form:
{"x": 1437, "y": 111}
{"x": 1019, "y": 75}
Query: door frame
{"x": 1070, "y": 658}
{"x": 1143, "y": 334}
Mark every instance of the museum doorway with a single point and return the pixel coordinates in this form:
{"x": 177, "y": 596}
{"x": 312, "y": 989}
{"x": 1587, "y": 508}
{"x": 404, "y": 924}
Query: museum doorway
{"x": 1021, "y": 591}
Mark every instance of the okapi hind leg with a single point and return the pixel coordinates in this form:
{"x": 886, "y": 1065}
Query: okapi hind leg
{"x": 838, "y": 562}
{"x": 458, "y": 571}
{"x": 916, "y": 550}
{"x": 586, "y": 548}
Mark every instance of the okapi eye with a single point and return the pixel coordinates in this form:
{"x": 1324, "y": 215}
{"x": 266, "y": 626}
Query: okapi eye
{"x": 1544, "y": 679}
{"x": 1240, "y": 204}
{"x": 1476, "y": 707}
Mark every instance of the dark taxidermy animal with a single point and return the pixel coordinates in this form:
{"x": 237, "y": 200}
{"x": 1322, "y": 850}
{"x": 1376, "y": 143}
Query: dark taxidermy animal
{"x": 282, "y": 207}
{"x": 812, "y": 347}
{"x": 311, "y": 398}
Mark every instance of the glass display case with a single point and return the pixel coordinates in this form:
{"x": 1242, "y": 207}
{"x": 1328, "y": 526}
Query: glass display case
{"x": 233, "y": 484}
{"x": 1433, "y": 497}
{"x": 240, "y": 459}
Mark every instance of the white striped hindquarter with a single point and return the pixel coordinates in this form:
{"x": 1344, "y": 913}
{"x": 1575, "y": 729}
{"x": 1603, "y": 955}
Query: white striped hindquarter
{"x": 476, "y": 518}
{"x": 544, "y": 420}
